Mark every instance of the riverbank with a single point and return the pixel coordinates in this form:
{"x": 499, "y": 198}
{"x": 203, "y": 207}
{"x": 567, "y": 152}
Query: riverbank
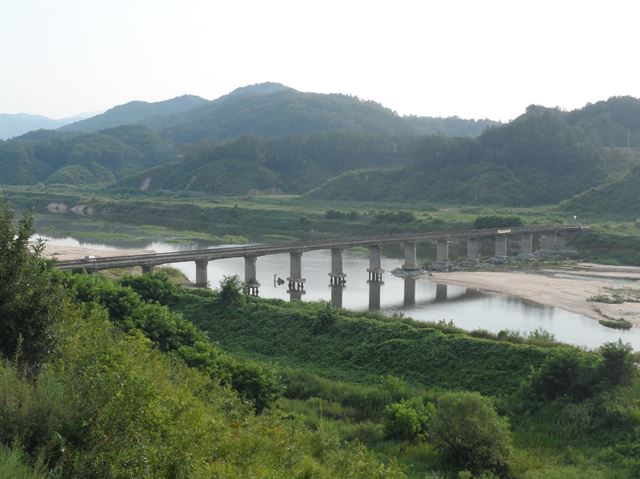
{"x": 68, "y": 252}
{"x": 545, "y": 287}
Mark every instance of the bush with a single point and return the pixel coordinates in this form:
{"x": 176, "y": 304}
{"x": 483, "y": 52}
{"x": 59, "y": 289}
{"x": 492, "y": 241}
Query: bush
{"x": 618, "y": 366}
{"x": 468, "y": 432}
{"x": 152, "y": 287}
{"x": 407, "y": 419}
{"x": 231, "y": 291}
{"x": 565, "y": 372}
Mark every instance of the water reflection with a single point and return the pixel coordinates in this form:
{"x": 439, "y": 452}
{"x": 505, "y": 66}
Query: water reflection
{"x": 441, "y": 293}
{"x": 409, "y": 292}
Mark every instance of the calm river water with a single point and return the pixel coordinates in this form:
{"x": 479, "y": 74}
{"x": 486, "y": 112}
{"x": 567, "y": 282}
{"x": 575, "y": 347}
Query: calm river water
{"x": 421, "y": 299}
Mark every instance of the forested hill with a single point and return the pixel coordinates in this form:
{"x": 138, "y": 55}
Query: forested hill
{"x": 47, "y": 156}
{"x": 611, "y": 123}
{"x": 134, "y": 112}
{"x": 273, "y": 110}
{"x": 538, "y": 158}
{"x": 618, "y": 199}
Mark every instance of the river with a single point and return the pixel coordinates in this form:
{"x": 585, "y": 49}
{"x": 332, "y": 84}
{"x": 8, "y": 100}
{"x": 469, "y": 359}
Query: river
{"x": 421, "y": 299}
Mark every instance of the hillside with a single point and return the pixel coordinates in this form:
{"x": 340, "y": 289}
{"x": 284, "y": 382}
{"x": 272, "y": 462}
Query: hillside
{"x": 537, "y": 158}
{"x": 12, "y": 125}
{"x": 56, "y": 157}
{"x": 619, "y": 199}
{"x": 611, "y": 123}
{"x": 135, "y": 111}
{"x": 293, "y": 164}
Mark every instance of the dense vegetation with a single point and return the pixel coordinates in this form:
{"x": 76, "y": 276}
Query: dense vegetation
{"x": 53, "y": 157}
{"x": 140, "y": 378}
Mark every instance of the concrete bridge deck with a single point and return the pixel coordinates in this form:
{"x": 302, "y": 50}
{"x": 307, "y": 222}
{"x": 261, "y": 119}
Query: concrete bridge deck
{"x": 254, "y": 251}
{"x": 337, "y": 276}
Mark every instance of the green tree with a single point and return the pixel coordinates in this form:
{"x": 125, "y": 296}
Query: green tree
{"x": 29, "y": 300}
{"x": 407, "y": 419}
{"x": 469, "y": 433}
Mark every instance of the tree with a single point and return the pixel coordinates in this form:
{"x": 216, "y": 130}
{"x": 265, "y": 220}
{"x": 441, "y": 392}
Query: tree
{"x": 30, "y": 300}
{"x": 468, "y": 432}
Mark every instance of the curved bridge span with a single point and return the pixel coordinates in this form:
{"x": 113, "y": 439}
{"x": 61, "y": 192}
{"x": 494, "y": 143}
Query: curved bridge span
{"x": 201, "y": 257}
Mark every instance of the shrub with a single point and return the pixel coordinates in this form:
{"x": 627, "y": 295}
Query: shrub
{"x": 407, "y": 419}
{"x": 231, "y": 291}
{"x": 152, "y": 287}
{"x": 468, "y": 432}
{"x": 618, "y": 366}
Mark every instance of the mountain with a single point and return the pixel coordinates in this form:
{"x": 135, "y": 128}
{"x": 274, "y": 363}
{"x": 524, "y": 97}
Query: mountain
{"x": 539, "y": 158}
{"x": 46, "y": 156}
{"x": 536, "y": 159}
{"x": 12, "y": 125}
{"x": 135, "y": 111}
{"x": 271, "y": 110}
{"x": 614, "y": 123}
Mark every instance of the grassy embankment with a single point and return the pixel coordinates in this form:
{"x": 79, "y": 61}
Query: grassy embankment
{"x": 341, "y": 369}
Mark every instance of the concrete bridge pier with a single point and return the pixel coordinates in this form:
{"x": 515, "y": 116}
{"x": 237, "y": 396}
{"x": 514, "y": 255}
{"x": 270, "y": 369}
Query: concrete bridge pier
{"x": 201, "y": 273}
{"x": 375, "y": 270}
{"x": 295, "y": 279}
{"x": 336, "y": 294}
{"x": 374, "y": 295}
{"x": 147, "y": 268}
{"x": 442, "y": 253}
{"x": 473, "y": 249}
{"x": 410, "y": 257}
{"x": 251, "y": 284}
{"x": 501, "y": 243}
{"x": 526, "y": 244}
{"x": 337, "y": 276}
{"x": 441, "y": 293}
{"x": 409, "y": 292}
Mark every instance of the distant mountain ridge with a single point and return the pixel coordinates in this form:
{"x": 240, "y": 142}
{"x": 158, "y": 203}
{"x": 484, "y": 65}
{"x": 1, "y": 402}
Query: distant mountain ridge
{"x": 135, "y": 111}
{"x": 271, "y": 110}
{"x": 16, "y": 124}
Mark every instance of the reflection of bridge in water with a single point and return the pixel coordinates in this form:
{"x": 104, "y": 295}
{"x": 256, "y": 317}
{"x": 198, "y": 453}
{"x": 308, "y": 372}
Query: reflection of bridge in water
{"x": 409, "y": 299}
{"x": 552, "y": 236}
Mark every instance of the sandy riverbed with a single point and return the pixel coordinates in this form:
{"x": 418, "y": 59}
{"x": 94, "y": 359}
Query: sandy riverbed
{"x": 63, "y": 253}
{"x": 570, "y": 294}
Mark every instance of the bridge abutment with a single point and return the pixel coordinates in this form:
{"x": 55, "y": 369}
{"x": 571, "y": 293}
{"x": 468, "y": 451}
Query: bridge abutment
{"x": 337, "y": 276}
{"x": 147, "y": 268}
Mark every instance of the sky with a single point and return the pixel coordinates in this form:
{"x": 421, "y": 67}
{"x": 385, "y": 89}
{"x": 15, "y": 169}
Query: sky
{"x": 470, "y": 58}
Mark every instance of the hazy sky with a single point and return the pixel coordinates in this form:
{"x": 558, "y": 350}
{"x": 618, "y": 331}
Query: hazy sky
{"x": 474, "y": 59}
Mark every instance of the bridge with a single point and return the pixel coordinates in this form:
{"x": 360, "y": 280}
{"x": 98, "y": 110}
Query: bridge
{"x": 554, "y": 236}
